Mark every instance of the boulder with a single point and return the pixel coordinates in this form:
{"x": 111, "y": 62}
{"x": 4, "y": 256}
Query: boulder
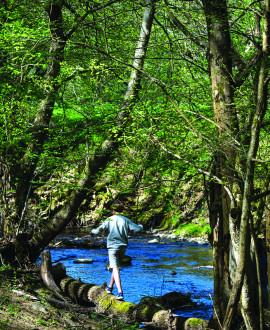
{"x": 164, "y": 319}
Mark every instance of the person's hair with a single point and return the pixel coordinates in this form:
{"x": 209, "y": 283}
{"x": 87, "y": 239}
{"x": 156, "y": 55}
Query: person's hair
{"x": 118, "y": 206}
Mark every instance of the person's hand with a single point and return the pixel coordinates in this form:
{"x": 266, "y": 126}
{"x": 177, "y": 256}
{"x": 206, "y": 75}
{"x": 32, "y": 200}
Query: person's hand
{"x": 94, "y": 231}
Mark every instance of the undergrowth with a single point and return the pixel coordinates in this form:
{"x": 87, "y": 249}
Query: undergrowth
{"x": 193, "y": 229}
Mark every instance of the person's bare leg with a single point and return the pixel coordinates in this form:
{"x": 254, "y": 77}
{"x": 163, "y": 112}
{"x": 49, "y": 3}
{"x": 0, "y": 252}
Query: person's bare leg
{"x": 116, "y": 277}
{"x": 112, "y": 281}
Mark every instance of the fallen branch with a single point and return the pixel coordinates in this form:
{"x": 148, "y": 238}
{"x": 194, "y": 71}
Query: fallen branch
{"x": 67, "y": 305}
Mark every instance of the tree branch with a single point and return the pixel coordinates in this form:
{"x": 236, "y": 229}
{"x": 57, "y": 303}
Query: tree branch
{"x": 92, "y": 10}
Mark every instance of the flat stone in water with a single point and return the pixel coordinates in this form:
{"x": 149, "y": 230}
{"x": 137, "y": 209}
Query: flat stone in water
{"x": 155, "y": 240}
{"x": 83, "y": 261}
{"x": 206, "y": 267}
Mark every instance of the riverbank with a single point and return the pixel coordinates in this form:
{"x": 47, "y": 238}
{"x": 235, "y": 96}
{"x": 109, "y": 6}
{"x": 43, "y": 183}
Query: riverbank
{"x": 80, "y": 238}
{"x": 164, "y": 234}
{"x": 151, "y": 233}
{"x": 24, "y": 305}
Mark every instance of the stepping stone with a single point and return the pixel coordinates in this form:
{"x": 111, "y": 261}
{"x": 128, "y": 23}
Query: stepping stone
{"x": 83, "y": 261}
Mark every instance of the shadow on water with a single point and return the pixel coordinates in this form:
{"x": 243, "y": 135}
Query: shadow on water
{"x": 150, "y": 273}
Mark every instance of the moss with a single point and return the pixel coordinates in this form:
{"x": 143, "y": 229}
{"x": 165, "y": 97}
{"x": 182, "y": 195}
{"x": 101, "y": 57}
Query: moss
{"x": 195, "y": 323}
{"x": 145, "y": 311}
{"x": 106, "y": 302}
{"x": 45, "y": 292}
{"x": 125, "y": 307}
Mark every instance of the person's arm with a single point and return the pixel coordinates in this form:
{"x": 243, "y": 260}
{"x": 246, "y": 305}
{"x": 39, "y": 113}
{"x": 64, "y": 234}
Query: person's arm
{"x": 103, "y": 226}
{"x": 134, "y": 227}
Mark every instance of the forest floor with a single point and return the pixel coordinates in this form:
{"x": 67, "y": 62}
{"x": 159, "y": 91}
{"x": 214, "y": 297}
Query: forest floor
{"x": 23, "y": 307}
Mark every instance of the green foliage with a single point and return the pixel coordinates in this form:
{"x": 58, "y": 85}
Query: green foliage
{"x": 193, "y": 230}
{"x": 41, "y": 322}
{"x": 4, "y": 323}
{"x": 164, "y": 144}
{"x": 119, "y": 325}
{"x": 5, "y": 300}
{"x": 13, "y": 310}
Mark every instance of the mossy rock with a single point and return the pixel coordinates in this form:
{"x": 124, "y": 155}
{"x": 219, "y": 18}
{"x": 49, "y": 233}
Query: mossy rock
{"x": 125, "y": 311}
{"x": 144, "y": 313}
{"x": 170, "y": 300}
{"x": 195, "y": 324}
{"x": 146, "y": 308}
{"x": 163, "y": 319}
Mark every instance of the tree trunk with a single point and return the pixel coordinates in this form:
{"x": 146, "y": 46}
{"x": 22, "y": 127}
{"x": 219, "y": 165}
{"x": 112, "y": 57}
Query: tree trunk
{"x": 251, "y": 319}
{"x": 23, "y": 173}
{"x": 220, "y": 64}
{"x": 218, "y": 240}
{"x": 46, "y": 271}
{"x": 233, "y": 263}
{"x": 268, "y": 245}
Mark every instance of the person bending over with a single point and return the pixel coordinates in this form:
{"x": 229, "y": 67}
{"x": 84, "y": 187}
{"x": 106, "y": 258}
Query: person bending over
{"x": 117, "y": 227}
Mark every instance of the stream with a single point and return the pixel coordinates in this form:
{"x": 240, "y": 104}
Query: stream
{"x": 151, "y": 271}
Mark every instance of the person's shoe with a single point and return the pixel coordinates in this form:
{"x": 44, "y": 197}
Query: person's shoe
{"x": 120, "y": 296}
{"x": 109, "y": 289}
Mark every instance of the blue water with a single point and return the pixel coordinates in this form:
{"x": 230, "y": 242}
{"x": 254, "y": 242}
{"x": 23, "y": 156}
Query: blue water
{"x": 150, "y": 271}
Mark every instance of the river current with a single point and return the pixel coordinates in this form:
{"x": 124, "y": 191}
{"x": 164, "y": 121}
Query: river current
{"x": 156, "y": 269}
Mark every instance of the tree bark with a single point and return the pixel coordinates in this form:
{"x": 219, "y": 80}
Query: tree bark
{"x": 268, "y": 245}
{"x": 23, "y": 173}
{"x": 220, "y": 63}
{"x": 217, "y": 240}
{"x": 46, "y": 271}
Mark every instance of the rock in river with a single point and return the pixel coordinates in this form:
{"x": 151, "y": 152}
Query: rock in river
{"x": 83, "y": 261}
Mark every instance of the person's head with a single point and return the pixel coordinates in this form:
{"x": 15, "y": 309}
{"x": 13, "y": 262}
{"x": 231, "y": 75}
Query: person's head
{"x": 117, "y": 206}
